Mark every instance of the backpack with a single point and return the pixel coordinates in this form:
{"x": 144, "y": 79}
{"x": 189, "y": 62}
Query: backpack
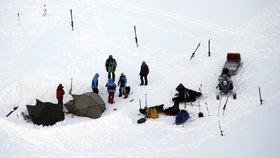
{"x": 182, "y": 117}
{"x": 152, "y": 113}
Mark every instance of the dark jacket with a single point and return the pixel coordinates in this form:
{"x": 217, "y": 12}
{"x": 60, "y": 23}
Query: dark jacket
{"x": 59, "y": 92}
{"x": 122, "y": 81}
{"x": 144, "y": 70}
{"x": 111, "y": 64}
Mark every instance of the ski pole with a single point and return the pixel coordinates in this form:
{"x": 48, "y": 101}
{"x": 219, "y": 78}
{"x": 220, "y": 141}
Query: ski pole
{"x": 140, "y": 107}
{"x": 221, "y": 131}
{"x": 146, "y": 100}
{"x": 219, "y": 105}
{"x": 200, "y": 89}
{"x": 224, "y": 108}
{"x": 140, "y": 103}
{"x": 209, "y": 53}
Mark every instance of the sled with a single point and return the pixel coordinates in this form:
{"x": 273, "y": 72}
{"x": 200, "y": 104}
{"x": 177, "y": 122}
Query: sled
{"x": 233, "y": 64}
{"x": 230, "y": 68}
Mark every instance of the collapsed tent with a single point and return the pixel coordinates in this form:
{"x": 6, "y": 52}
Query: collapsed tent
{"x": 185, "y": 95}
{"x": 45, "y": 113}
{"x": 88, "y": 104}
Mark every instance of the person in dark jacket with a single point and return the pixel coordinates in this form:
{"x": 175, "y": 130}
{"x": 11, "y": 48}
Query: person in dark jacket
{"x": 111, "y": 89}
{"x": 59, "y": 95}
{"x": 144, "y": 71}
{"x": 122, "y": 83}
{"x": 94, "y": 84}
{"x": 111, "y": 65}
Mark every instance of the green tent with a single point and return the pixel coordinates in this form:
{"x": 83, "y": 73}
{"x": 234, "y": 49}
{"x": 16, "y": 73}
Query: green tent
{"x": 45, "y": 113}
{"x": 87, "y": 104}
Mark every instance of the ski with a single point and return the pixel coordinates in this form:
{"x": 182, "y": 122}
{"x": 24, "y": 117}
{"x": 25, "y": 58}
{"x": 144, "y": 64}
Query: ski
{"x": 136, "y": 39}
{"x": 194, "y": 51}
{"x": 72, "y": 23}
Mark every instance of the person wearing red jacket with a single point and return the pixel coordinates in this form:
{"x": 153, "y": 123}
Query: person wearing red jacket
{"x": 59, "y": 95}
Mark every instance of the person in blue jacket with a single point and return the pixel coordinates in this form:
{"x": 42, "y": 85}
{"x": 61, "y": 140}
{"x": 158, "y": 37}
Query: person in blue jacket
{"x": 122, "y": 83}
{"x": 94, "y": 84}
{"x": 111, "y": 89}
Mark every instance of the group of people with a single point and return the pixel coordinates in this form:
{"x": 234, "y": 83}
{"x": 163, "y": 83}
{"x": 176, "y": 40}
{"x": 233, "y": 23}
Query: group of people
{"x": 111, "y": 65}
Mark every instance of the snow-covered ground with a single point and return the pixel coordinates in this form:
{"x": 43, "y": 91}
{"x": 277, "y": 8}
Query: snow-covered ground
{"x": 38, "y": 52}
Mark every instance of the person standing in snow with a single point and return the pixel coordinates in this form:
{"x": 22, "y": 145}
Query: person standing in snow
{"x": 122, "y": 83}
{"x": 111, "y": 89}
{"x": 111, "y": 65}
{"x": 59, "y": 95}
{"x": 94, "y": 84}
{"x": 144, "y": 71}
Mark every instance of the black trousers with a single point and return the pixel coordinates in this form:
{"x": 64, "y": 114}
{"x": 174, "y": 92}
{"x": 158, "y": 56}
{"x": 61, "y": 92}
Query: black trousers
{"x": 60, "y": 103}
{"x": 144, "y": 79}
{"x": 95, "y": 90}
{"x": 113, "y": 75}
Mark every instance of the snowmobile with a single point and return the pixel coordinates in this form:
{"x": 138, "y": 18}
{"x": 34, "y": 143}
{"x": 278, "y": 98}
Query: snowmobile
{"x": 230, "y": 68}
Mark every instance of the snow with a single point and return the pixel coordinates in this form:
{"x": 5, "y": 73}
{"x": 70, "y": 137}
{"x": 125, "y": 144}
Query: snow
{"x": 43, "y": 52}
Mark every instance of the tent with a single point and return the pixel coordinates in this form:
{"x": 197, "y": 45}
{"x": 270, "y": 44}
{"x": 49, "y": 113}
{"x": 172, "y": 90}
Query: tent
{"x": 45, "y": 113}
{"x": 87, "y": 104}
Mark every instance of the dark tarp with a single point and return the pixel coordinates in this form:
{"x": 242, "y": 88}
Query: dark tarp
{"x": 87, "y": 104}
{"x": 185, "y": 94}
{"x": 45, "y": 113}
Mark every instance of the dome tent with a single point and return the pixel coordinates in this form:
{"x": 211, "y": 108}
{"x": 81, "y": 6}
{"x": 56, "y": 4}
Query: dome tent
{"x": 88, "y": 104}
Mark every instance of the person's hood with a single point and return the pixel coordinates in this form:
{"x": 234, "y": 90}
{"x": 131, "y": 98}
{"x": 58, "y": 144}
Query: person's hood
{"x": 96, "y": 76}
